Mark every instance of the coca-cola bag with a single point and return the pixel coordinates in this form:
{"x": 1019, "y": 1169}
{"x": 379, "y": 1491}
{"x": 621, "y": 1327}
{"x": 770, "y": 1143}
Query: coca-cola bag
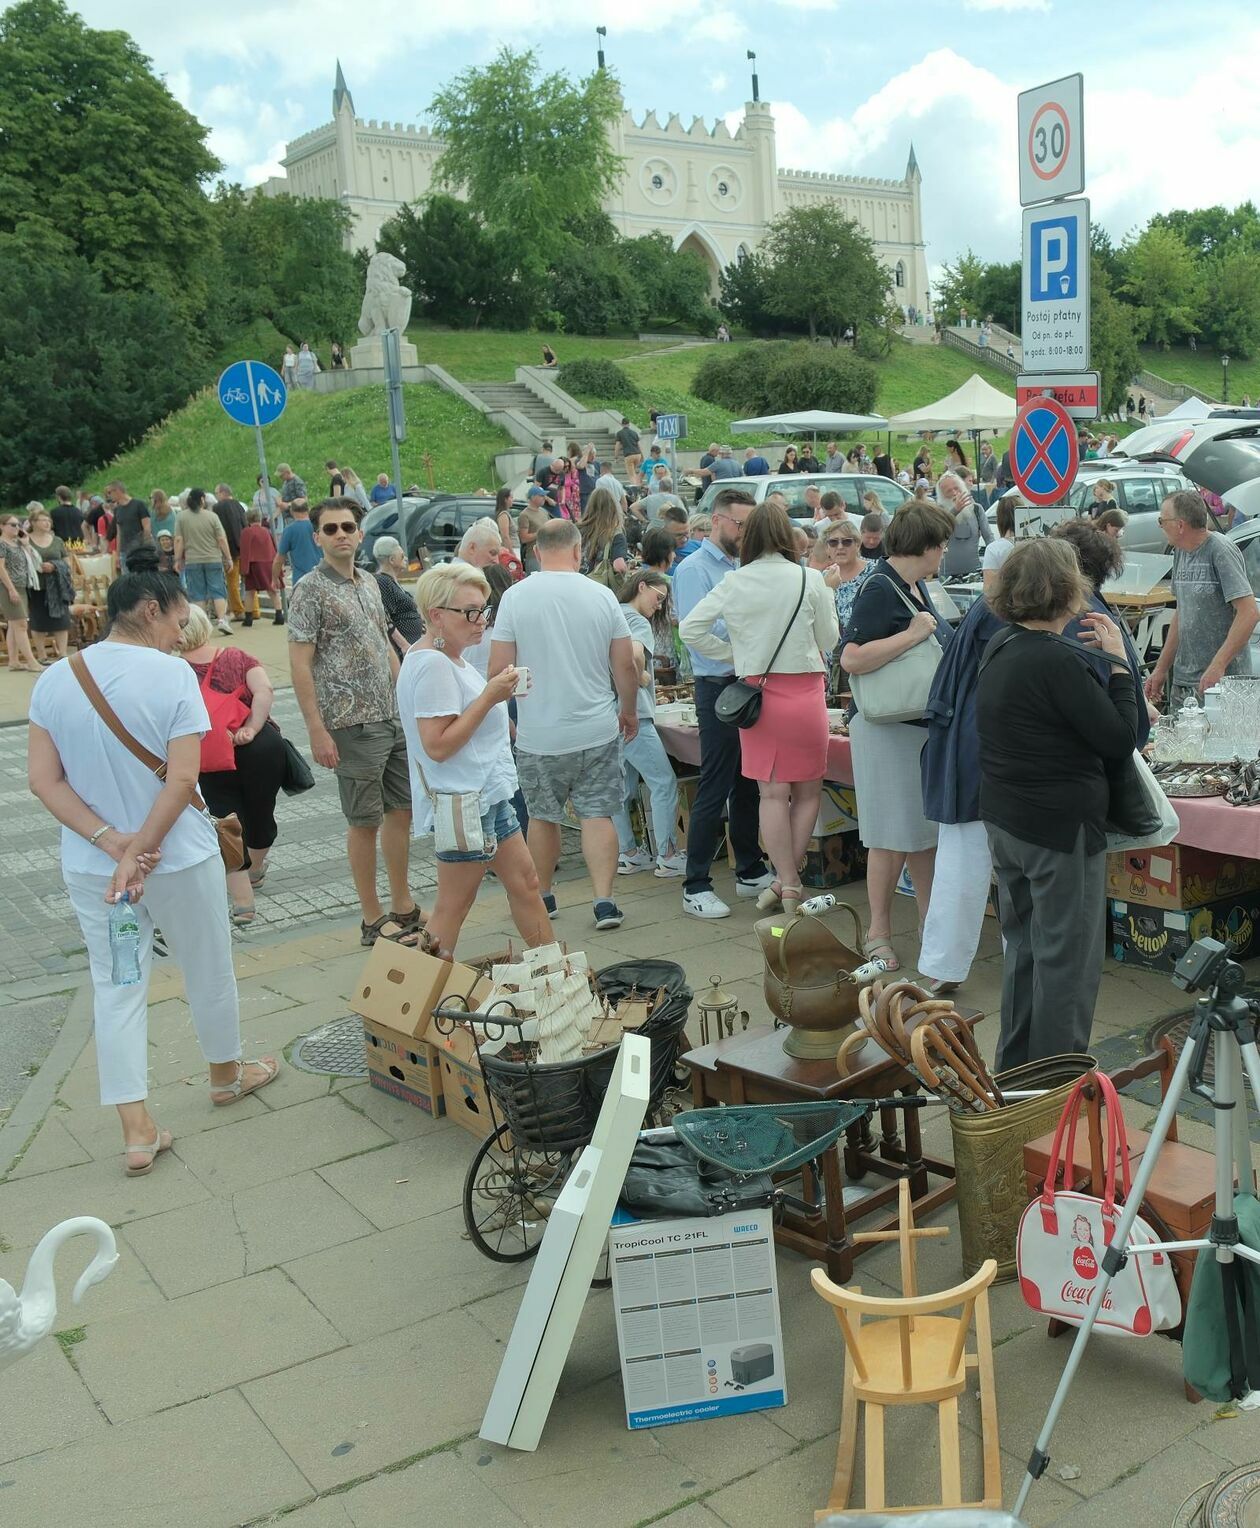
{"x": 1064, "y": 1234}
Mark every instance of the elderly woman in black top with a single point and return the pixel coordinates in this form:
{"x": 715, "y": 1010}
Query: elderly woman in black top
{"x": 1049, "y": 732}
{"x": 405, "y": 625}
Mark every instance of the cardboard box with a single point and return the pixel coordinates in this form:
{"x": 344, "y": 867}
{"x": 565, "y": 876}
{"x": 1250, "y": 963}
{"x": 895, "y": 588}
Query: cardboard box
{"x": 401, "y": 986}
{"x": 404, "y": 1067}
{"x": 463, "y": 1086}
{"x": 837, "y": 811}
{"x": 1179, "y": 876}
{"x": 1157, "y": 937}
{"x": 686, "y": 800}
{"x": 835, "y": 860}
{"x": 696, "y": 1303}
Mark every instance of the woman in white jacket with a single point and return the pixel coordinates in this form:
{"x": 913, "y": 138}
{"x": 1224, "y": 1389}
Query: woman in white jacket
{"x": 785, "y": 750}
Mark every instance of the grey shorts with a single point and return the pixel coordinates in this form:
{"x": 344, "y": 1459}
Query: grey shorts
{"x": 593, "y": 779}
{"x": 372, "y": 773}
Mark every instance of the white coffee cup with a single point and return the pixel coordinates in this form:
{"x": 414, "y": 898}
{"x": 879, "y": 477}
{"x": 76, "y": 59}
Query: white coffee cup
{"x": 522, "y": 682}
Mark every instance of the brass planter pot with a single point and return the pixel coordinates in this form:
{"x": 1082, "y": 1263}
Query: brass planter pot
{"x": 807, "y": 981}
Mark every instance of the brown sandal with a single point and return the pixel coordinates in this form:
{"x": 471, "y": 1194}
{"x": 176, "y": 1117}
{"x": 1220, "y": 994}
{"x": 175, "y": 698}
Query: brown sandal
{"x": 162, "y": 1141}
{"x": 402, "y": 931}
{"x": 239, "y": 1088}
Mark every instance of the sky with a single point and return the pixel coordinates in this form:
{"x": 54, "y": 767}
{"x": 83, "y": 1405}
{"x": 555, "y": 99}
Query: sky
{"x": 1172, "y": 112}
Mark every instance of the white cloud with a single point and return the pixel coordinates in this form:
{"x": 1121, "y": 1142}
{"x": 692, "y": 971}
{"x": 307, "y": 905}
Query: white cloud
{"x": 718, "y": 82}
{"x": 716, "y": 26}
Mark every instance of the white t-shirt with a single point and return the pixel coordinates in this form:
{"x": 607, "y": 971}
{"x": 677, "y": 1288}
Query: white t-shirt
{"x": 156, "y": 699}
{"x": 996, "y": 553}
{"x": 562, "y": 624}
{"x": 430, "y": 684}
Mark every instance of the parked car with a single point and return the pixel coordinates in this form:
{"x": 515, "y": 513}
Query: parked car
{"x": 849, "y": 485}
{"x": 385, "y": 519}
{"x": 434, "y": 534}
{"x": 1141, "y": 487}
{"x": 1246, "y": 537}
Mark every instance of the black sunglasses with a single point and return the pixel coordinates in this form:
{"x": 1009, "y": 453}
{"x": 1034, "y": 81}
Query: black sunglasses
{"x": 472, "y": 614}
{"x": 331, "y": 527}
{"x": 839, "y": 541}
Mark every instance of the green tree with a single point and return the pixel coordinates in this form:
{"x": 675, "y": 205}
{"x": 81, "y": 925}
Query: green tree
{"x": 1113, "y": 262}
{"x": 999, "y": 294}
{"x": 1164, "y": 284}
{"x": 959, "y": 288}
{"x": 523, "y": 145}
{"x": 460, "y": 273}
{"x": 1112, "y": 338}
{"x": 1210, "y": 231}
{"x": 745, "y": 295}
{"x": 285, "y": 260}
{"x": 672, "y": 282}
{"x": 594, "y": 293}
{"x": 1231, "y": 312}
{"x": 84, "y": 372}
{"x": 823, "y": 271}
{"x": 97, "y": 158}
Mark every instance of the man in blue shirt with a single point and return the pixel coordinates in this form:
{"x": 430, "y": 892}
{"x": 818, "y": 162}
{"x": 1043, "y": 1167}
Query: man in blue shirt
{"x": 721, "y": 786}
{"x": 755, "y": 465}
{"x": 297, "y": 544}
{"x": 655, "y": 458}
{"x": 383, "y": 490}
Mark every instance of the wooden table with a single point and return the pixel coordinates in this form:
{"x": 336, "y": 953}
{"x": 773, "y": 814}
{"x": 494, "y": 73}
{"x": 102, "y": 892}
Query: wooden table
{"x": 755, "y": 1069}
{"x": 1161, "y": 594}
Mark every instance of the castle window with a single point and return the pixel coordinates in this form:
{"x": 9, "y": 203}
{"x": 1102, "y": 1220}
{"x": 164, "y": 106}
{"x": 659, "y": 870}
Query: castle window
{"x": 657, "y": 183}
{"x": 723, "y": 189}
{"x": 899, "y": 275}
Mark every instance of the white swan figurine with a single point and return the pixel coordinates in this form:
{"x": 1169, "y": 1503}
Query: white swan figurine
{"x": 27, "y": 1317}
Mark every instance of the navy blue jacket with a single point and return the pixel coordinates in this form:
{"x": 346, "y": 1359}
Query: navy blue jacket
{"x": 951, "y": 756}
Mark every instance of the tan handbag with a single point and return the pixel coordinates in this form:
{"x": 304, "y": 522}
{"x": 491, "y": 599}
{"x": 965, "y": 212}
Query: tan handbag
{"x": 228, "y": 829}
{"x": 808, "y": 977}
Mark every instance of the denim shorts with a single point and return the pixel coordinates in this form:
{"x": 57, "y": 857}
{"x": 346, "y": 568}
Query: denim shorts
{"x": 204, "y": 581}
{"x": 497, "y": 824}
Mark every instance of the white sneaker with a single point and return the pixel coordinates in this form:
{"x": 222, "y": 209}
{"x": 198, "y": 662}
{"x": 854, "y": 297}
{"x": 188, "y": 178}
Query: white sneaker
{"x": 631, "y": 864}
{"x": 670, "y": 866}
{"x": 705, "y": 904}
{"x": 755, "y": 887}
{"x": 225, "y": 626}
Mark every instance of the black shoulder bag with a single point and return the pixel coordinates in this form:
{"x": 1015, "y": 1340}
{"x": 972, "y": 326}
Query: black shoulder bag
{"x": 739, "y": 704}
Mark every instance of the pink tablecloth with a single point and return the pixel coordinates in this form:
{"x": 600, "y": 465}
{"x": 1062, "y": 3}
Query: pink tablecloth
{"x": 1208, "y": 822}
{"x": 683, "y": 743}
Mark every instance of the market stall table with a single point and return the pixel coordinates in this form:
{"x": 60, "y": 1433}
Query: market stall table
{"x": 755, "y": 1069}
{"x": 1209, "y": 822}
{"x": 683, "y": 744}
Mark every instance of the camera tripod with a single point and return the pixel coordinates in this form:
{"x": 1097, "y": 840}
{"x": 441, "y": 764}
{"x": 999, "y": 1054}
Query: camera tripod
{"x": 1228, "y": 1021}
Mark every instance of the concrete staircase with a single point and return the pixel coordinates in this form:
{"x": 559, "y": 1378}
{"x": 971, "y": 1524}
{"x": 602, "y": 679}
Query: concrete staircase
{"x": 544, "y": 418}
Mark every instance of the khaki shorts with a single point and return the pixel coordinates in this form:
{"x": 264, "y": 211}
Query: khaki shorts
{"x": 372, "y": 773}
{"x": 593, "y": 779}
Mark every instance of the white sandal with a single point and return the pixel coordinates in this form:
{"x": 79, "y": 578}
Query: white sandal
{"x": 162, "y": 1141}
{"x": 238, "y": 1089}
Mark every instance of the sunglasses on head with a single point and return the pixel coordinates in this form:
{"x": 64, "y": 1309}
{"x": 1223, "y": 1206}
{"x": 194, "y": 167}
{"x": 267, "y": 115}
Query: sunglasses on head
{"x": 331, "y": 527}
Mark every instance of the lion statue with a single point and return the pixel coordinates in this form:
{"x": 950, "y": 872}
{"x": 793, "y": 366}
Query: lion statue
{"x": 386, "y": 303}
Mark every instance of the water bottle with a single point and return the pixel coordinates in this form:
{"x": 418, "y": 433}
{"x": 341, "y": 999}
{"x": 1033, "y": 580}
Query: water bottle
{"x": 124, "y": 942}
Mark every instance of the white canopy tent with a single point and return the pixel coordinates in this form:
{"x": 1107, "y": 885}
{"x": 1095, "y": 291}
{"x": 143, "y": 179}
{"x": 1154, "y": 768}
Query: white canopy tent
{"x": 975, "y": 406}
{"x": 1189, "y": 408}
{"x": 808, "y": 422}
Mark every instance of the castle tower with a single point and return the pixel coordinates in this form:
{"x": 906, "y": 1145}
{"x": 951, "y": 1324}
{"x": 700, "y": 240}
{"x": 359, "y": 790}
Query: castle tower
{"x": 343, "y": 124}
{"x": 758, "y": 133}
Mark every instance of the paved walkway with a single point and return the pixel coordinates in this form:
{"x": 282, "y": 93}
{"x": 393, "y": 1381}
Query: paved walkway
{"x": 298, "y": 1325}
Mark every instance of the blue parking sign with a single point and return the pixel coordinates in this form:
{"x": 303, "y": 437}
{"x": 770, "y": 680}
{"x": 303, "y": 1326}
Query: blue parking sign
{"x": 1055, "y": 269}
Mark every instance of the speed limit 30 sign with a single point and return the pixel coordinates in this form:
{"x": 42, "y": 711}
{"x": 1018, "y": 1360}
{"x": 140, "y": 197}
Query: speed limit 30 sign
{"x": 1052, "y": 141}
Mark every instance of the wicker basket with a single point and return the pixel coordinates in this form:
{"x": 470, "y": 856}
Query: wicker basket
{"x": 989, "y": 1159}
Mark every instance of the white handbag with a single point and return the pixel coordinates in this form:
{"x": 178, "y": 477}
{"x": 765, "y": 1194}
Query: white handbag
{"x": 456, "y": 820}
{"x": 1064, "y": 1234}
{"x": 898, "y": 692}
{"x": 1161, "y": 807}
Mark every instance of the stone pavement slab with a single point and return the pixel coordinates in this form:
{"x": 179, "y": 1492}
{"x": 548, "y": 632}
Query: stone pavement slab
{"x": 53, "y": 1147}
{"x": 29, "y": 1206}
{"x": 55, "y": 1408}
{"x": 407, "y": 1181}
{"x": 438, "y": 1489}
{"x": 257, "y": 1228}
{"x": 389, "y": 1399}
{"x": 278, "y": 1144}
{"x": 211, "y": 1464}
{"x": 144, "y": 1362}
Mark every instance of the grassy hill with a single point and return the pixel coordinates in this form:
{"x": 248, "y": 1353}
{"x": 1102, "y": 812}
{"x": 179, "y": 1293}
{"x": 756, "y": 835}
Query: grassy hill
{"x": 492, "y": 355}
{"x": 201, "y": 446}
{"x": 1201, "y": 368}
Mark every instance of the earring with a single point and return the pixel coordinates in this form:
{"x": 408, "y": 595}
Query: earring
{"x": 439, "y": 641}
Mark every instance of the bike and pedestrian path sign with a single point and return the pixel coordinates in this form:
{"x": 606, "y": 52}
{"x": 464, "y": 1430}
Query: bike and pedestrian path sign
{"x": 252, "y": 393}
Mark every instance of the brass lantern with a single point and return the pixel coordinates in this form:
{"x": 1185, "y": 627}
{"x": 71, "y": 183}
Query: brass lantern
{"x": 720, "y": 1009}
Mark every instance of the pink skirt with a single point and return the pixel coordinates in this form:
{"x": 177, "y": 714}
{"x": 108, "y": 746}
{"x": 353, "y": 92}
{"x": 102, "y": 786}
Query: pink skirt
{"x": 788, "y": 741}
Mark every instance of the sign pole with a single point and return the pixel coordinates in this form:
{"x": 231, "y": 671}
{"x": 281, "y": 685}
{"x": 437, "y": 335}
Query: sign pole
{"x": 265, "y": 485}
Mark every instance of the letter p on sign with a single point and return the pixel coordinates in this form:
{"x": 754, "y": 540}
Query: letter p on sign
{"x": 1055, "y": 268}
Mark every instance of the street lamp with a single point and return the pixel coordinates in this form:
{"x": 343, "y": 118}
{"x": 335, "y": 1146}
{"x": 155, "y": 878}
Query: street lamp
{"x": 1224, "y": 379}
{"x": 752, "y": 58}
{"x": 601, "y": 33}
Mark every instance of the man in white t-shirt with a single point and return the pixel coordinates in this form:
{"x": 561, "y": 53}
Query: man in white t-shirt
{"x": 571, "y": 634}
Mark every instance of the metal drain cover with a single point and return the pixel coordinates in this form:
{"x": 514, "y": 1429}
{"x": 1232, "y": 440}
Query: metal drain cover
{"x": 335, "y": 1049}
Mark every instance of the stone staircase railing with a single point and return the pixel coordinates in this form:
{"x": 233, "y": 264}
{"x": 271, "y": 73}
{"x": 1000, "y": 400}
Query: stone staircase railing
{"x": 1178, "y": 392}
{"x": 984, "y": 353}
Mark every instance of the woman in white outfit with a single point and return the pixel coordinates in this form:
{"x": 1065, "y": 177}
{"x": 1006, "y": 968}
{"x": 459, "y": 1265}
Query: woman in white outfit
{"x": 124, "y": 830}
{"x": 456, "y": 727}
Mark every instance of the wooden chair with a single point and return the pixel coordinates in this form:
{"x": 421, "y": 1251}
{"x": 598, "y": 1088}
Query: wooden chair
{"x": 905, "y": 1352}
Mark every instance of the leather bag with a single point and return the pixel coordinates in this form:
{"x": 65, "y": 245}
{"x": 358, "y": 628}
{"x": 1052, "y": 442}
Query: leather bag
{"x": 898, "y": 692}
{"x": 227, "y": 829}
{"x": 739, "y": 704}
{"x": 808, "y": 971}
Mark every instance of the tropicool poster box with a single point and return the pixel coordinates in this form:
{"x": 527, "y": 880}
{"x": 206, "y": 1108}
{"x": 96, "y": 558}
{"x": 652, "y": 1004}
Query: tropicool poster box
{"x": 697, "y": 1310}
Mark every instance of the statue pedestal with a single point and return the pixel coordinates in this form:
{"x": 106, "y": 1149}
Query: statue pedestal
{"x": 368, "y": 355}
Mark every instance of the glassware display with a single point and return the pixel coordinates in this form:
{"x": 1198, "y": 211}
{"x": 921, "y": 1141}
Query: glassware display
{"x": 1167, "y": 742}
{"x": 1192, "y": 732}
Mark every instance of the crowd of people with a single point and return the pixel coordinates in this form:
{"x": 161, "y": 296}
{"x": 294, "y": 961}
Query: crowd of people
{"x": 511, "y": 692}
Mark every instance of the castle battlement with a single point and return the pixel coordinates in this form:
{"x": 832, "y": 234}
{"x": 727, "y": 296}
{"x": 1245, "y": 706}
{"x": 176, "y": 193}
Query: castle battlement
{"x": 809, "y": 178}
{"x": 718, "y": 133}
